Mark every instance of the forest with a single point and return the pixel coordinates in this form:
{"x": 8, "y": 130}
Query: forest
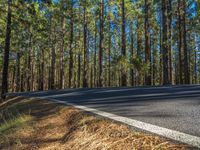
{"x": 57, "y": 44}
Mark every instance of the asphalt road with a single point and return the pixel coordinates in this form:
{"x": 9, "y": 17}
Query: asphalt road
{"x": 176, "y": 108}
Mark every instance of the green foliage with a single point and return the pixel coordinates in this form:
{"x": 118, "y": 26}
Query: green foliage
{"x": 44, "y": 26}
{"x": 13, "y": 124}
{"x": 12, "y": 118}
{"x": 137, "y": 63}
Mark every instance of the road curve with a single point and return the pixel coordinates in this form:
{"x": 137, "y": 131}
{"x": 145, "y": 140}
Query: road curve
{"x": 174, "y": 107}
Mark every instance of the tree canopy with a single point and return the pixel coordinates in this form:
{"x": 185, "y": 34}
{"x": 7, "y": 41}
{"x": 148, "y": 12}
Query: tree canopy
{"x": 57, "y": 44}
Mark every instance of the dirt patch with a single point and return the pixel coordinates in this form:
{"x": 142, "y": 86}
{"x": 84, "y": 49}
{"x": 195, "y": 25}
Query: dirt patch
{"x": 58, "y": 127}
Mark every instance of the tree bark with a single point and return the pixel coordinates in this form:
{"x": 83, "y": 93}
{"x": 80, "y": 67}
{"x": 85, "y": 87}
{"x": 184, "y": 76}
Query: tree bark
{"x": 183, "y": 52}
{"x": 131, "y": 51}
{"x": 95, "y": 56}
{"x": 101, "y": 36}
{"x": 169, "y": 12}
{"x": 71, "y": 45}
{"x": 154, "y": 68}
{"x": 22, "y": 80}
{"x": 123, "y": 38}
{"x": 29, "y": 64}
{"x": 79, "y": 69}
{"x": 161, "y": 52}
{"x": 186, "y": 65}
{"x": 195, "y": 63}
{"x": 18, "y": 73}
{"x": 6, "y": 53}
{"x": 139, "y": 53}
{"x": 62, "y": 50}
{"x": 85, "y": 61}
{"x": 13, "y": 78}
{"x": 109, "y": 53}
{"x": 147, "y": 44}
{"x": 79, "y": 56}
{"x": 41, "y": 72}
{"x": 53, "y": 64}
{"x": 165, "y": 48}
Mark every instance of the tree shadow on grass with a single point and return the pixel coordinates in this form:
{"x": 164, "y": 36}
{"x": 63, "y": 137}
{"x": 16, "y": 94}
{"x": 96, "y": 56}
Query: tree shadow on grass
{"x": 46, "y": 119}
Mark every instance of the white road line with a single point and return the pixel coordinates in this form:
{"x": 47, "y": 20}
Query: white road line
{"x": 61, "y": 95}
{"x": 168, "y": 133}
{"x": 113, "y": 97}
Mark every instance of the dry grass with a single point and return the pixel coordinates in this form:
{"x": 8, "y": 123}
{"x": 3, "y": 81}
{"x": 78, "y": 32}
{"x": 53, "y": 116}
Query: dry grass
{"x": 56, "y": 127}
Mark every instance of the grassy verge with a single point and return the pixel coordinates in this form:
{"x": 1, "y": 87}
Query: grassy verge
{"x": 28, "y": 124}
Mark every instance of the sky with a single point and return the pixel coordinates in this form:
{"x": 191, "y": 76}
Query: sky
{"x": 55, "y": 1}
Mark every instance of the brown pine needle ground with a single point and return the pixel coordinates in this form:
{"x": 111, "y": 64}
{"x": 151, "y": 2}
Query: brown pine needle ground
{"x": 41, "y": 125}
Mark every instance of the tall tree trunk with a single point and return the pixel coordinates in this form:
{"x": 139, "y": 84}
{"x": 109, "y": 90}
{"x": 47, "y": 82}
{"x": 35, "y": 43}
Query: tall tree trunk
{"x": 123, "y": 38}
{"x": 101, "y": 36}
{"x": 62, "y": 50}
{"x": 109, "y": 53}
{"x": 176, "y": 70}
{"x": 18, "y": 73}
{"x": 6, "y": 53}
{"x": 139, "y": 54}
{"x": 85, "y": 61}
{"x": 183, "y": 52}
{"x": 165, "y": 48}
{"x": 53, "y": 64}
{"x": 161, "y": 52}
{"x": 48, "y": 72}
{"x": 13, "y": 78}
{"x": 109, "y": 62}
{"x": 95, "y": 56}
{"x": 169, "y": 12}
{"x": 195, "y": 63}
{"x": 71, "y": 45}
{"x": 32, "y": 75}
{"x": 154, "y": 70}
{"x": 22, "y": 80}
{"x": 41, "y": 74}
{"x": 131, "y": 51}
{"x": 186, "y": 65}
{"x": 147, "y": 44}
{"x": 29, "y": 64}
{"x": 75, "y": 62}
{"x": 23, "y": 76}
{"x": 79, "y": 58}
{"x": 53, "y": 58}
{"x": 79, "y": 69}
{"x": 180, "y": 52}
{"x": 91, "y": 73}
